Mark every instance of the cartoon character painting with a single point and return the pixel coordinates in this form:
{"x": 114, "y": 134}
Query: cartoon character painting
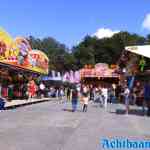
{"x": 24, "y": 49}
{"x": 19, "y": 53}
{"x": 32, "y": 60}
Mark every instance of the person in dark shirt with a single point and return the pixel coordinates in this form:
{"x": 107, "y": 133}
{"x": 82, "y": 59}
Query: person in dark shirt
{"x": 74, "y": 99}
{"x": 2, "y": 103}
{"x": 68, "y": 94}
{"x": 147, "y": 96}
{"x": 118, "y": 92}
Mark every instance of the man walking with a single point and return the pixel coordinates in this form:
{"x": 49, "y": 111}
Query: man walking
{"x": 105, "y": 95}
{"x": 126, "y": 95}
{"x": 74, "y": 99}
{"x": 147, "y": 96}
{"x": 85, "y": 101}
{"x": 68, "y": 94}
{"x": 42, "y": 89}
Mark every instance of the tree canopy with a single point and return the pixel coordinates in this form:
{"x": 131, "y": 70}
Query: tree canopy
{"x": 90, "y": 50}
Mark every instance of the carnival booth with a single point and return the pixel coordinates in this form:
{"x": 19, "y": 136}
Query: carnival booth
{"x": 52, "y": 79}
{"x": 134, "y": 68}
{"x": 99, "y": 74}
{"x": 133, "y": 61}
{"x": 18, "y": 64}
{"x": 57, "y": 79}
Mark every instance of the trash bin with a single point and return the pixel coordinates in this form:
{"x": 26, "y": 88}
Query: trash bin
{"x": 2, "y": 104}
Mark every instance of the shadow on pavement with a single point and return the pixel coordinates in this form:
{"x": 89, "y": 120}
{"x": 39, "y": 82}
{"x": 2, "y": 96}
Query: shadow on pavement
{"x": 136, "y": 112}
{"x": 97, "y": 106}
{"x": 69, "y": 110}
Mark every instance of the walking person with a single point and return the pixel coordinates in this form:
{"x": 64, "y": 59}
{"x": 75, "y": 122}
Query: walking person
{"x": 68, "y": 94}
{"x": 42, "y": 89}
{"x": 126, "y": 95}
{"x": 105, "y": 95}
{"x": 99, "y": 97}
{"x": 61, "y": 94}
{"x": 92, "y": 94}
{"x": 10, "y": 91}
{"x": 85, "y": 102}
{"x": 134, "y": 96}
{"x": 147, "y": 96}
{"x": 74, "y": 99}
{"x": 2, "y": 103}
{"x": 31, "y": 89}
{"x": 143, "y": 97}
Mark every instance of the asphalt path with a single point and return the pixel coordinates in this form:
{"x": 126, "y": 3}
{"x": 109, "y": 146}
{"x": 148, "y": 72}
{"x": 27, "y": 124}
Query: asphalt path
{"x": 52, "y": 126}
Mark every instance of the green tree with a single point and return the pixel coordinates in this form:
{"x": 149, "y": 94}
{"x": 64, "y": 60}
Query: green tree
{"x": 107, "y": 50}
{"x": 59, "y": 57}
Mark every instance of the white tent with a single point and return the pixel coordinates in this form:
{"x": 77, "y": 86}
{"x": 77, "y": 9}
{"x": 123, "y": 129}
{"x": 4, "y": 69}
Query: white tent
{"x": 140, "y": 50}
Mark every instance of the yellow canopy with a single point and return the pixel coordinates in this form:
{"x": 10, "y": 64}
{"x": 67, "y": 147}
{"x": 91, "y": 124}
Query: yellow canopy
{"x": 5, "y": 37}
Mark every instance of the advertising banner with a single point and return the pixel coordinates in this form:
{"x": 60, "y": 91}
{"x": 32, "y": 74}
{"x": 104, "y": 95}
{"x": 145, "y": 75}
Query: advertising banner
{"x": 19, "y": 53}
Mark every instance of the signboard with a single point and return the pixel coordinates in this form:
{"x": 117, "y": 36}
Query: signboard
{"x": 66, "y": 77}
{"x": 87, "y": 72}
{"x": 77, "y": 76}
{"x": 100, "y": 70}
{"x": 53, "y": 76}
{"x": 71, "y": 77}
{"x": 19, "y": 53}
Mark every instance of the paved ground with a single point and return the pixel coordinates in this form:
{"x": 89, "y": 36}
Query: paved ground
{"x": 46, "y": 126}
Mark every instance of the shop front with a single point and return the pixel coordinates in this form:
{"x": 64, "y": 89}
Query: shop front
{"x": 135, "y": 69}
{"x": 18, "y": 65}
{"x": 100, "y": 74}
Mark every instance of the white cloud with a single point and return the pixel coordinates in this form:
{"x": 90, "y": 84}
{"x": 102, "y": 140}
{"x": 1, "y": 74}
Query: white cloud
{"x": 146, "y": 22}
{"x": 105, "y": 33}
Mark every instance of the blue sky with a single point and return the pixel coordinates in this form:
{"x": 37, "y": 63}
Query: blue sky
{"x": 70, "y": 20}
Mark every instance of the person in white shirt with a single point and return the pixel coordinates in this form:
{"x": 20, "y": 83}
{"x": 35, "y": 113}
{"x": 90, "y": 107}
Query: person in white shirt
{"x": 105, "y": 95}
{"x": 42, "y": 86}
{"x": 42, "y": 89}
{"x": 126, "y": 95}
{"x": 85, "y": 89}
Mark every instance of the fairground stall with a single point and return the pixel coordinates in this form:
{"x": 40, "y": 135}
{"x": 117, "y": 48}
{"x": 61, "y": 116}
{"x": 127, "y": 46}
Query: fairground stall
{"x": 99, "y": 74}
{"x": 53, "y": 79}
{"x": 67, "y": 79}
{"x": 134, "y": 68}
{"x": 56, "y": 81}
{"x": 18, "y": 64}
